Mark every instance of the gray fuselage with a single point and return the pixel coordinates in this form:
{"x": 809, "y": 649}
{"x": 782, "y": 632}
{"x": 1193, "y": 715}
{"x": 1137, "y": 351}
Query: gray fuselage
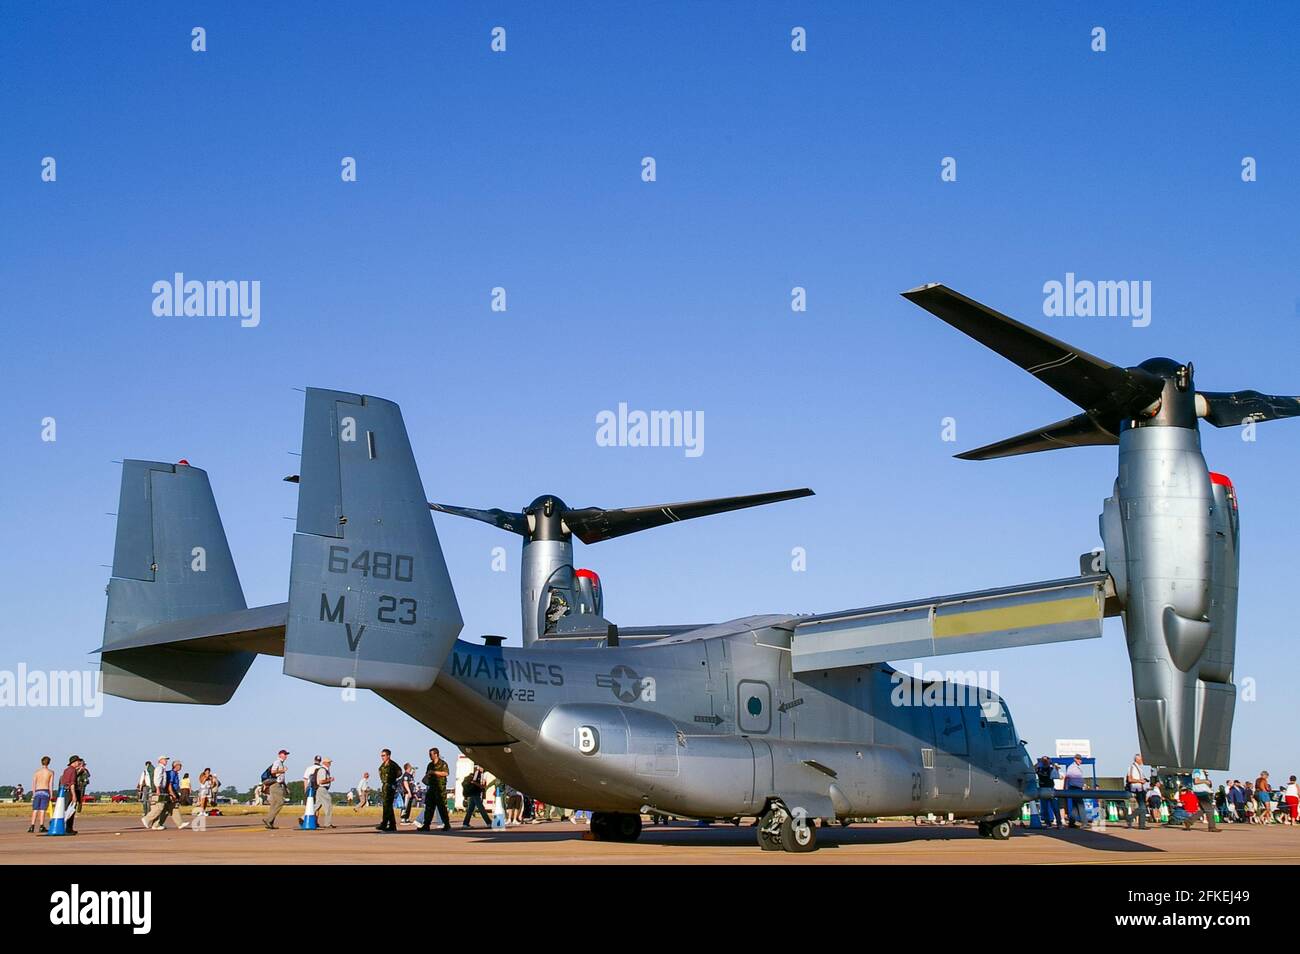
{"x": 712, "y": 723}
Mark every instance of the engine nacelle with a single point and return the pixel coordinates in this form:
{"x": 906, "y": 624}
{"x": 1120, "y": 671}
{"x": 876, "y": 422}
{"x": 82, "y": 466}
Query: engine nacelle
{"x": 1170, "y": 533}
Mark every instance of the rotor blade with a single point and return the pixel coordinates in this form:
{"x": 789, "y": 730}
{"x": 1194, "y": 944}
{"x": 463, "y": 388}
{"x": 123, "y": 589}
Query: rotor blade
{"x": 1077, "y": 431}
{"x": 593, "y": 524}
{"x": 1107, "y": 391}
{"x": 514, "y": 522}
{"x": 1230, "y": 408}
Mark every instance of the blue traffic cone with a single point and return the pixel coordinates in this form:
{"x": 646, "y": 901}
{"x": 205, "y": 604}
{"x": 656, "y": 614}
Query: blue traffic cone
{"x": 309, "y": 813}
{"x": 58, "y": 826}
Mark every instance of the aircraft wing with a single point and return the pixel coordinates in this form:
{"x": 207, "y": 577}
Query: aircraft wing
{"x": 1052, "y": 611}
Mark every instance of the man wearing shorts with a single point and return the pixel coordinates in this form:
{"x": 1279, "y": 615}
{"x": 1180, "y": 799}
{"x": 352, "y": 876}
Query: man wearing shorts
{"x": 42, "y": 785}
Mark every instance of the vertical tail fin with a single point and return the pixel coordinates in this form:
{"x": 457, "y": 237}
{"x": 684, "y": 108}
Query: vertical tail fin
{"x": 370, "y": 600}
{"x": 170, "y": 562}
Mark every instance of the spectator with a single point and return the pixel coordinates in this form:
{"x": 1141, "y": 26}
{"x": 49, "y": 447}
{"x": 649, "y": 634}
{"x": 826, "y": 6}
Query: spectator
{"x": 1204, "y": 791}
{"x": 408, "y": 793}
{"x": 390, "y": 778}
{"x": 1136, "y": 782}
{"x": 162, "y": 807}
{"x": 144, "y": 789}
{"x": 472, "y": 790}
{"x": 1155, "y": 799}
{"x": 174, "y": 784}
{"x": 277, "y": 791}
{"x": 186, "y": 794}
{"x": 71, "y": 793}
{"x": 324, "y": 799}
{"x": 1074, "y": 782}
{"x": 1047, "y": 775}
{"x": 1292, "y": 792}
{"x": 363, "y": 791}
{"x": 42, "y": 789}
{"x": 1264, "y": 799}
{"x": 207, "y": 794}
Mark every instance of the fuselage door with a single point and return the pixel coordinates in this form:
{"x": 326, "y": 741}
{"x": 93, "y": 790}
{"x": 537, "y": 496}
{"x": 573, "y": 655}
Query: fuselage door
{"x": 723, "y": 712}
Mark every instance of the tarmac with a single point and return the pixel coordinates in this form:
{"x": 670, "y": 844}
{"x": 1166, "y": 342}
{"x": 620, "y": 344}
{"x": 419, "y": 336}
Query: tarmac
{"x": 120, "y": 839}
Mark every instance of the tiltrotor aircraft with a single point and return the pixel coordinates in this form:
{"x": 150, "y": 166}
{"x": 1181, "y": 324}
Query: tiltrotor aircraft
{"x": 789, "y": 718}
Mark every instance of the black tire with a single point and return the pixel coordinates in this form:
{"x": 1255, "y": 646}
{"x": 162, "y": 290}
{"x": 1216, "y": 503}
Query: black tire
{"x": 600, "y": 826}
{"x": 625, "y": 827}
{"x": 1000, "y": 830}
{"x": 798, "y": 837}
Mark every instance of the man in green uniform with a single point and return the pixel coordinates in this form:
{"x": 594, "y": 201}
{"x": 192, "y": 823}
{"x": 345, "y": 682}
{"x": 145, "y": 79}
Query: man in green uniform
{"x": 435, "y": 791}
{"x": 390, "y": 774}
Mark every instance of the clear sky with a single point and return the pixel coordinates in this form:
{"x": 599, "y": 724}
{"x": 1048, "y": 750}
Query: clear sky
{"x": 522, "y": 170}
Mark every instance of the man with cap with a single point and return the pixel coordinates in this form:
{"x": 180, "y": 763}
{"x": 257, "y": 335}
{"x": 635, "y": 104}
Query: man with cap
{"x": 1074, "y": 782}
{"x": 71, "y": 791}
{"x": 315, "y": 780}
{"x": 278, "y": 791}
{"x": 162, "y": 806}
{"x": 324, "y": 800}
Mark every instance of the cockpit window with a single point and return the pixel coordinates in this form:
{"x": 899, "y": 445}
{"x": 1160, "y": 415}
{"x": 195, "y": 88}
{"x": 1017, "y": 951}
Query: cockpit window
{"x": 995, "y": 718}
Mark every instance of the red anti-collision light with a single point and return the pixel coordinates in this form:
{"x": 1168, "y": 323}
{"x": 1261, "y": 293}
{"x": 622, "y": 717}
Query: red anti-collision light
{"x": 182, "y": 463}
{"x": 1223, "y": 481}
{"x": 587, "y": 574}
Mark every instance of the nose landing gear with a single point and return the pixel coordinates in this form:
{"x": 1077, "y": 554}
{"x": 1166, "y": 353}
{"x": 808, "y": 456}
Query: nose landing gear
{"x": 997, "y": 830}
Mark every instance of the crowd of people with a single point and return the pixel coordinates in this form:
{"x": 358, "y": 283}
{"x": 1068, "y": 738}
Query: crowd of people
{"x": 1177, "y": 800}
{"x": 164, "y": 789}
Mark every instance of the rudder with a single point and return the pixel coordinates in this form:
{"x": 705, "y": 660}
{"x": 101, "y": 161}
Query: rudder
{"x": 370, "y": 601}
{"x": 171, "y": 562}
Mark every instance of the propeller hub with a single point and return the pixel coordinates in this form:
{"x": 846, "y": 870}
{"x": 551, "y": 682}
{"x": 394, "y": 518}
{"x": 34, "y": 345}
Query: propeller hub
{"x": 1176, "y": 406}
{"x": 546, "y": 519}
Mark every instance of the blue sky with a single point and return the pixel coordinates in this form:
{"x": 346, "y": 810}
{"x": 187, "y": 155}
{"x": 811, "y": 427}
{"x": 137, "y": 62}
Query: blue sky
{"x": 522, "y": 170}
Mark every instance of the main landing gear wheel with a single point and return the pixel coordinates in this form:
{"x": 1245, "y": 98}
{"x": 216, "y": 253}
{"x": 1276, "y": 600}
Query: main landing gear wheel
{"x": 798, "y": 834}
{"x": 615, "y": 826}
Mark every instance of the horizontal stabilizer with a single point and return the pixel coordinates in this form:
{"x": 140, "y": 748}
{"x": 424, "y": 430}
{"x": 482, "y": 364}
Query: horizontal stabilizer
{"x": 1048, "y": 612}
